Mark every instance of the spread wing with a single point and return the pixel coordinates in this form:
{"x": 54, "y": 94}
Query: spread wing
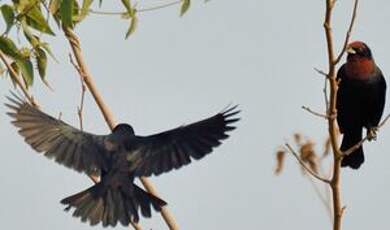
{"x": 172, "y": 149}
{"x": 69, "y": 146}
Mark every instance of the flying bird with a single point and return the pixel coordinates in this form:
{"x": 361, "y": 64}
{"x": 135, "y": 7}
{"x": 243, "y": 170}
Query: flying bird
{"x": 117, "y": 158}
{"x": 360, "y": 100}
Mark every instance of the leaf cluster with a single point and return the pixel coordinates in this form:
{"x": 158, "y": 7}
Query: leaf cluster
{"x": 27, "y": 22}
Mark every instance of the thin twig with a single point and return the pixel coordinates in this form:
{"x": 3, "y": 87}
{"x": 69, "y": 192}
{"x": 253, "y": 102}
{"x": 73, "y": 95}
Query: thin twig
{"x": 349, "y": 32}
{"x": 321, "y": 72}
{"x": 325, "y": 90}
{"x": 140, "y": 10}
{"x": 357, "y": 145}
{"x": 324, "y": 200}
{"x": 291, "y": 150}
{"x": 326, "y": 97}
{"x": 83, "y": 90}
{"x": 159, "y": 7}
{"x": 314, "y": 113}
{"x": 107, "y": 13}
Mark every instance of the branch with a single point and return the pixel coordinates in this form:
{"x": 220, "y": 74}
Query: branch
{"x": 140, "y": 10}
{"x": 159, "y": 7}
{"x": 338, "y": 210}
{"x": 321, "y": 72}
{"x": 325, "y": 90}
{"x": 324, "y": 200}
{"x": 326, "y": 97}
{"x": 291, "y": 150}
{"x": 357, "y": 145}
{"x": 348, "y": 35}
{"x": 83, "y": 90}
{"x": 14, "y": 75}
{"x": 314, "y": 113}
{"x": 108, "y": 116}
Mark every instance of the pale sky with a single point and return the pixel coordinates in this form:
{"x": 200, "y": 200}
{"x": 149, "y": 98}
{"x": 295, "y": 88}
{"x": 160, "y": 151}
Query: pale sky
{"x": 258, "y": 54}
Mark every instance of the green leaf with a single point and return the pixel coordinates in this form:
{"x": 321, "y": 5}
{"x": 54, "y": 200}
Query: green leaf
{"x": 9, "y": 47}
{"x": 84, "y": 9}
{"x": 185, "y": 6}
{"x": 31, "y": 38}
{"x": 46, "y": 47}
{"x": 127, "y": 4}
{"x": 24, "y": 52}
{"x": 42, "y": 66}
{"x": 75, "y": 12}
{"x": 130, "y": 10}
{"x": 26, "y": 68}
{"x": 8, "y": 15}
{"x": 16, "y": 69}
{"x": 66, "y": 11}
{"x": 54, "y": 6}
{"x": 133, "y": 25}
{"x": 22, "y": 6}
{"x": 41, "y": 63}
{"x": 36, "y": 20}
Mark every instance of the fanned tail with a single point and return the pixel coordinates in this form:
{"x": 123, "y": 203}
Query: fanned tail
{"x": 105, "y": 204}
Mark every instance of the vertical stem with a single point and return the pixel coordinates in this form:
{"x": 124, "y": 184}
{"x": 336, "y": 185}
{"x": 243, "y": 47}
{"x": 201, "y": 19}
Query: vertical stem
{"x": 332, "y": 113}
{"x": 108, "y": 116}
{"x": 336, "y": 194}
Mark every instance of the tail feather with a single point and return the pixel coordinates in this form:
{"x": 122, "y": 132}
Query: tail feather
{"x": 104, "y": 204}
{"x": 356, "y": 158}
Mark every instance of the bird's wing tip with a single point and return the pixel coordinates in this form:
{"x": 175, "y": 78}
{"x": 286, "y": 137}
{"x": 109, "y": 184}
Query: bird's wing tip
{"x": 229, "y": 108}
{"x": 15, "y": 98}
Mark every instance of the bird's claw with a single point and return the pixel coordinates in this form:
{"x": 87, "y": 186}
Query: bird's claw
{"x": 371, "y": 133}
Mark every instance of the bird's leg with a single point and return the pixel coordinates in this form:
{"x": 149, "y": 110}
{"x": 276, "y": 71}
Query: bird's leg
{"x": 371, "y": 133}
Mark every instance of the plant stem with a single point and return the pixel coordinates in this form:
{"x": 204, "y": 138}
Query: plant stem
{"x": 108, "y": 116}
{"x": 332, "y": 113}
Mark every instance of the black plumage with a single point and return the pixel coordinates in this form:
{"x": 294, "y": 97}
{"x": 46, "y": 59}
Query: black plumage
{"x": 117, "y": 158}
{"x": 360, "y": 100}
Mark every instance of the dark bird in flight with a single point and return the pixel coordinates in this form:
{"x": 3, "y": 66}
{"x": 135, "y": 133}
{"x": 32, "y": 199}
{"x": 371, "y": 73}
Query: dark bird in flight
{"x": 360, "y": 100}
{"x": 117, "y": 158}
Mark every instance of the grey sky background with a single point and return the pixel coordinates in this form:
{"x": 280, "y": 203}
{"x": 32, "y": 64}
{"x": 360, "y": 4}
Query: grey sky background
{"x": 172, "y": 71}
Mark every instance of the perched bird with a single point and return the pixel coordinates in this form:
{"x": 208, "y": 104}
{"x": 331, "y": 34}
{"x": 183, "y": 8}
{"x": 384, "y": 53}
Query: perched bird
{"x": 117, "y": 158}
{"x": 360, "y": 100}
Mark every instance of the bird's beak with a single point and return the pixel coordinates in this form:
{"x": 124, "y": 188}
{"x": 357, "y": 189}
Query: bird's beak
{"x": 350, "y": 50}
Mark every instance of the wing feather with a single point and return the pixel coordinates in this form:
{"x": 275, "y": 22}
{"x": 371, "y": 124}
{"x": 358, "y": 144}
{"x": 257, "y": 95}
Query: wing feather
{"x": 175, "y": 148}
{"x": 69, "y": 146}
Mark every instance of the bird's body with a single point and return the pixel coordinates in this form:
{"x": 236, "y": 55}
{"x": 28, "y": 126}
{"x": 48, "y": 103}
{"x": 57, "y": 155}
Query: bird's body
{"x": 118, "y": 158}
{"x": 360, "y": 100}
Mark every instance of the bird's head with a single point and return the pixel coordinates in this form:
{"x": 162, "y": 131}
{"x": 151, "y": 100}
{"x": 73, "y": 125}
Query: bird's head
{"x": 357, "y": 50}
{"x": 360, "y": 63}
{"x": 123, "y": 129}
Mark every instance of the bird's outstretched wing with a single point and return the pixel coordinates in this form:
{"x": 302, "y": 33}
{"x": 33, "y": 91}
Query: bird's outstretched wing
{"x": 69, "y": 146}
{"x": 172, "y": 149}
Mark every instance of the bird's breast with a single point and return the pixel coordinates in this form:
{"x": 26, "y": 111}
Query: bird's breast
{"x": 360, "y": 69}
